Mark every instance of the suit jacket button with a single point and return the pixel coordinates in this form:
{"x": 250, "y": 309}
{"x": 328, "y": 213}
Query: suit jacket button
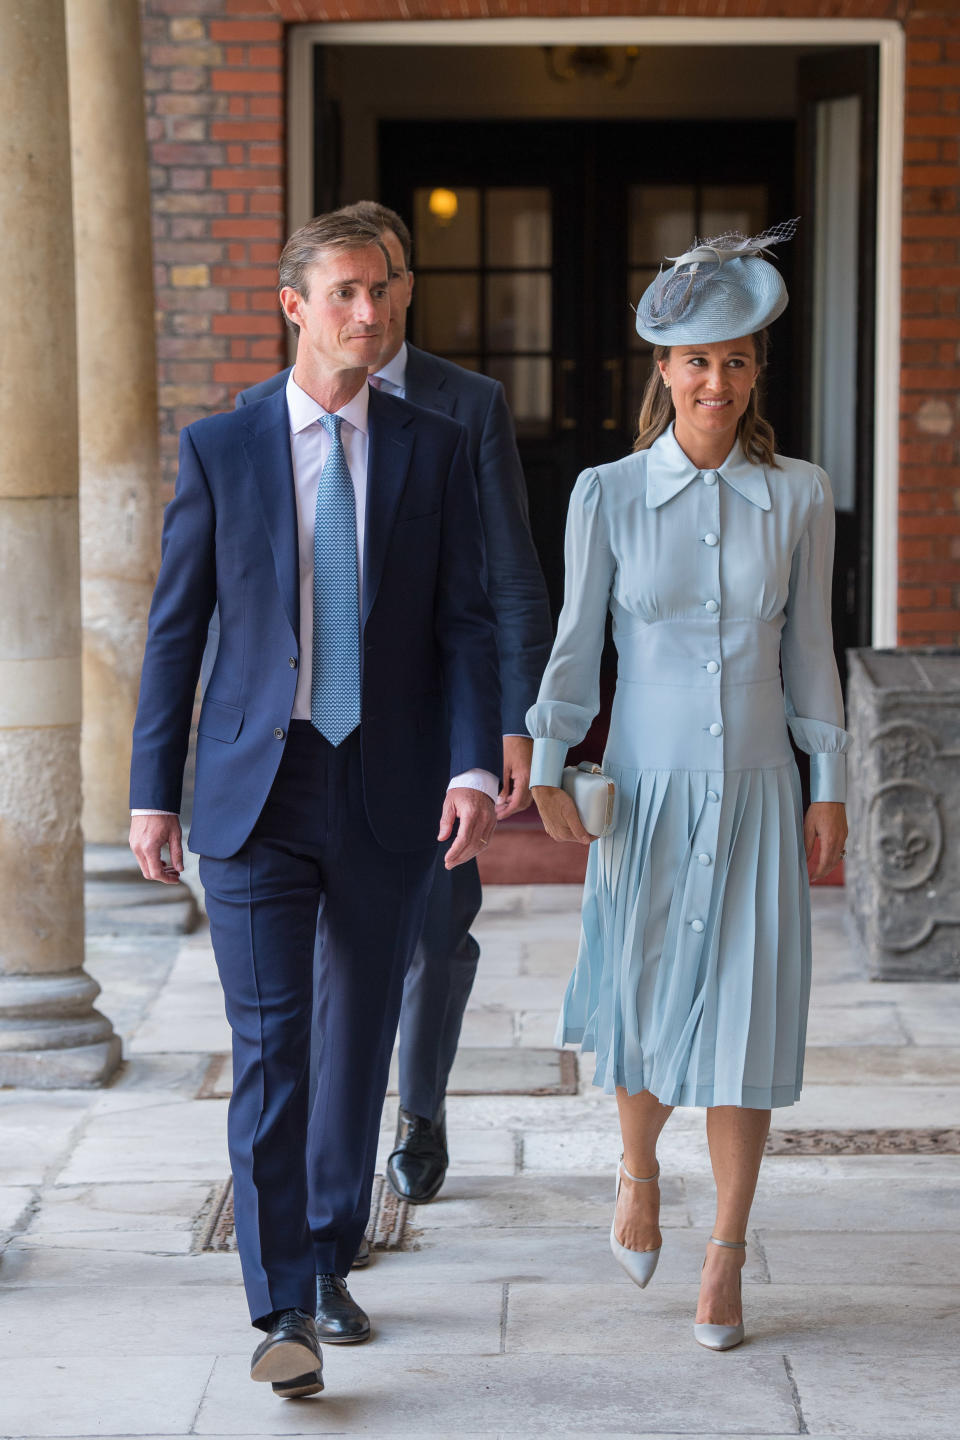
{"x": 278, "y": 733}
{"x": 292, "y": 662}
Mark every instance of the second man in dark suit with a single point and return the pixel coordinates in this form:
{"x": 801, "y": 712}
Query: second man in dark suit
{"x": 440, "y": 979}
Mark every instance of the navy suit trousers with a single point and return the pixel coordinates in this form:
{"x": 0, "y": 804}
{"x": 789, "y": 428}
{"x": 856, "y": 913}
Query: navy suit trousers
{"x": 303, "y": 1171}
{"x": 437, "y": 988}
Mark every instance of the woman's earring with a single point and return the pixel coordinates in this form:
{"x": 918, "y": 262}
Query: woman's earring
{"x": 666, "y": 383}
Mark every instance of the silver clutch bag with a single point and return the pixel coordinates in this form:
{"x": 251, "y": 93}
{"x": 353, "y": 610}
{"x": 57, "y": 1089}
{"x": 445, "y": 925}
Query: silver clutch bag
{"x": 594, "y": 795}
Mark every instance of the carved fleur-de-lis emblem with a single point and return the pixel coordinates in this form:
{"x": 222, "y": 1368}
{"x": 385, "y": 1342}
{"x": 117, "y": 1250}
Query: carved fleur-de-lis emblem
{"x": 904, "y": 753}
{"x": 902, "y": 844}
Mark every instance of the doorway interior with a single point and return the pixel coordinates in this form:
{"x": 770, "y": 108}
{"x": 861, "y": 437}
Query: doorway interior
{"x": 572, "y": 170}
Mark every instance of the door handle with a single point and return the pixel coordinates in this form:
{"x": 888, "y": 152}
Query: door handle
{"x": 567, "y": 370}
{"x": 614, "y": 369}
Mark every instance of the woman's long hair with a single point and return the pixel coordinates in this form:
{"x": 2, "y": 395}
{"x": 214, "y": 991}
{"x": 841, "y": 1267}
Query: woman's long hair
{"x": 656, "y": 409}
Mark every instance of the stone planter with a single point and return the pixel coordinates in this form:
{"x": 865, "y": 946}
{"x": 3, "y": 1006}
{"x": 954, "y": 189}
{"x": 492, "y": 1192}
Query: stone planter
{"x": 903, "y": 856}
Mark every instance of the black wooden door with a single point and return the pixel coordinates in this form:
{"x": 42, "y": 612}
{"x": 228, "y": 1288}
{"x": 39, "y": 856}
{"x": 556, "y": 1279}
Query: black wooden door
{"x": 531, "y": 241}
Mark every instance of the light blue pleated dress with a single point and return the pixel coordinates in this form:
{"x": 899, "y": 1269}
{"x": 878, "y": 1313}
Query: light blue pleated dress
{"x": 693, "y": 974}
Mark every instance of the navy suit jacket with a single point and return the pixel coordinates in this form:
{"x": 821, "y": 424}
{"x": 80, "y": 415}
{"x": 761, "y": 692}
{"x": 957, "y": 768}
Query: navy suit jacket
{"x": 430, "y": 691}
{"x": 514, "y": 579}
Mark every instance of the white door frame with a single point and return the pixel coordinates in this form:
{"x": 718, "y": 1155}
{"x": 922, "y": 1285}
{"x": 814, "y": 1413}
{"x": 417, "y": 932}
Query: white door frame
{"x": 889, "y": 38}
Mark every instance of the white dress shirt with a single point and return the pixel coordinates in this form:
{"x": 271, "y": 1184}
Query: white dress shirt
{"x": 309, "y": 447}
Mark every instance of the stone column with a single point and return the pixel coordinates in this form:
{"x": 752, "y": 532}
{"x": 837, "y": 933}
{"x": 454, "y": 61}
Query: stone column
{"x": 50, "y": 1035}
{"x": 117, "y": 392}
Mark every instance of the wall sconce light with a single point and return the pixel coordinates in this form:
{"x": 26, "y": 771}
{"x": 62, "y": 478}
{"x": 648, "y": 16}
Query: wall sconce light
{"x": 603, "y": 63}
{"x": 443, "y": 206}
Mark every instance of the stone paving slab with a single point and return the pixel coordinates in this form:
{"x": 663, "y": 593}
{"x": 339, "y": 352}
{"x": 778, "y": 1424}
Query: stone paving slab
{"x": 37, "y": 1130}
{"x": 115, "y": 1207}
{"x": 582, "y": 1201}
{"x": 904, "y": 1258}
{"x": 15, "y": 1203}
{"x": 883, "y": 1064}
{"x": 865, "y": 1396}
{"x": 152, "y": 1138}
{"x": 60, "y": 1395}
{"x": 56, "y": 1266}
{"x": 505, "y": 1255}
{"x": 374, "y": 1393}
{"x": 849, "y": 1320}
{"x": 446, "y": 1318}
{"x": 834, "y": 1203}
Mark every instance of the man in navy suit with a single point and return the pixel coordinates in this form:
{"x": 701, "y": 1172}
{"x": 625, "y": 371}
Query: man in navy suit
{"x": 440, "y": 979}
{"x": 356, "y": 673}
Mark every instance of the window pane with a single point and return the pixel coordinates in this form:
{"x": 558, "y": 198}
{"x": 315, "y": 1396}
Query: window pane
{"x": 638, "y": 280}
{"x": 662, "y": 219}
{"x": 446, "y": 234}
{"x": 527, "y": 383}
{"x": 448, "y": 312}
{"x": 518, "y": 227}
{"x": 733, "y": 207}
{"x": 518, "y": 312}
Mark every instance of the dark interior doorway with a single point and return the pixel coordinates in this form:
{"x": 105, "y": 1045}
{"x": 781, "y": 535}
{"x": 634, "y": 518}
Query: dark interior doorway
{"x": 531, "y": 239}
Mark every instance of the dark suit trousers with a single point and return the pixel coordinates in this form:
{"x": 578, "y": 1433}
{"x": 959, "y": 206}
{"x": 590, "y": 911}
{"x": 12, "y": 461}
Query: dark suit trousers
{"x": 303, "y": 1173}
{"x": 437, "y": 988}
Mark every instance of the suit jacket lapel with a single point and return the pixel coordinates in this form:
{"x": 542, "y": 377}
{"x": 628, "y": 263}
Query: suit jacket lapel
{"x": 388, "y": 458}
{"x": 267, "y": 450}
{"x": 426, "y": 383}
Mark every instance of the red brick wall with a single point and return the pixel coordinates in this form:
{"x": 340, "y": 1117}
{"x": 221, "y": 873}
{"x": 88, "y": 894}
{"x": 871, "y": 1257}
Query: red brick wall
{"x": 215, "y": 78}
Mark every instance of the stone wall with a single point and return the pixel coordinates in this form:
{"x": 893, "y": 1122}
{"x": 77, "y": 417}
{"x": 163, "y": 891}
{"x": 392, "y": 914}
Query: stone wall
{"x": 215, "y": 97}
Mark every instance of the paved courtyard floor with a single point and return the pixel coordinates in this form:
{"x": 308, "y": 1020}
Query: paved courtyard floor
{"x": 507, "y": 1316}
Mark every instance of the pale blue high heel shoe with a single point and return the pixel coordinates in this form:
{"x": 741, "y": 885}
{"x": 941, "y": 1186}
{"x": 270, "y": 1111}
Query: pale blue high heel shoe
{"x": 722, "y": 1337}
{"x": 639, "y": 1264}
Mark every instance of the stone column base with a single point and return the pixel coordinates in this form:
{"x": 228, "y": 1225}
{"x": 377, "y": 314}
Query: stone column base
{"x": 79, "y": 1067}
{"x": 117, "y": 898}
{"x": 51, "y": 1037}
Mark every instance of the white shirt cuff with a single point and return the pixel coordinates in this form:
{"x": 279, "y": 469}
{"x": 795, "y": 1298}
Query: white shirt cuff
{"x": 153, "y": 812}
{"x": 477, "y": 780}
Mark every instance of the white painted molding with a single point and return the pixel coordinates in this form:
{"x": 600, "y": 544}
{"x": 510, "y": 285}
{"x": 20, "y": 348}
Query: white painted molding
{"x": 887, "y": 35}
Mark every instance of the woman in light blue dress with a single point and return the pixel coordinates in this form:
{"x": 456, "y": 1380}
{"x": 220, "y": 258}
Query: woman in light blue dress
{"x": 713, "y": 555}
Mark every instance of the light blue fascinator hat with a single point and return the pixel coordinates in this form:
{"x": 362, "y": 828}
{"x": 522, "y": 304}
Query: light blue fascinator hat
{"x": 720, "y": 289}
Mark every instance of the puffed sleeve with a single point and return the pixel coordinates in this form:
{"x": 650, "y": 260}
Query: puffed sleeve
{"x": 811, "y": 684}
{"x": 569, "y": 695}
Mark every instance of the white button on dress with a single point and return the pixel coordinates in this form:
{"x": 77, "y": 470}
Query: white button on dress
{"x": 711, "y": 539}
{"x": 712, "y": 667}
{"x": 711, "y": 606}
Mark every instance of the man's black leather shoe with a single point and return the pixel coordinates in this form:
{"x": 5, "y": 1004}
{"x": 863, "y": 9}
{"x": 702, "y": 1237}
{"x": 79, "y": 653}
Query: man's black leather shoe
{"x": 340, "y": 1321}
{"x": 418, "y": 1164}
{"x": 362, "y": 1258}
{"x": 290, "y": 1350}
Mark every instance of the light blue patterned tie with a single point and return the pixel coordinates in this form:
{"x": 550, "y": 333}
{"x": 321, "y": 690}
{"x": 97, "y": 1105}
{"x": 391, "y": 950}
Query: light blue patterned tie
{"x": 335, "y": 685}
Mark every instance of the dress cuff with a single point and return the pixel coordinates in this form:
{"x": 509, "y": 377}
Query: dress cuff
{"x": 828, "y": 776}
{"x": 548, "y": 758}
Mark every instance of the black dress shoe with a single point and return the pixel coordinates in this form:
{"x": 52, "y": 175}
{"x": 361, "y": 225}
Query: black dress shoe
{"x": 418, "y": 1164}
{"x": 340, "y": 1321}
{"x": 362, "y": 1258}
{"x": 289, "y": 1351}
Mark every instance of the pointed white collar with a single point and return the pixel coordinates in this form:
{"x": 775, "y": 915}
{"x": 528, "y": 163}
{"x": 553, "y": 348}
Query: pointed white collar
{"x": 669, "y": 471}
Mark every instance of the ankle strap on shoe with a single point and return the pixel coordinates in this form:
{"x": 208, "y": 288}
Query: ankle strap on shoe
{"x": 728, "y": 1244}
{"x": 640, "y": 1179}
